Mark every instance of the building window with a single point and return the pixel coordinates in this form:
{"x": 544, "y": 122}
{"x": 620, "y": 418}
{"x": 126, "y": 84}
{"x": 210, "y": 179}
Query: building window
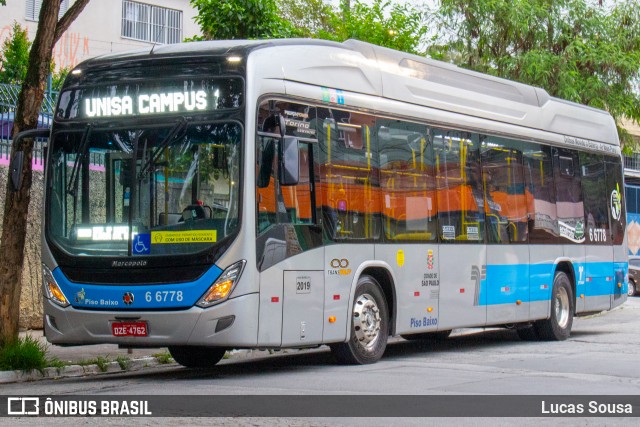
{"x": 33, "y": 9}
{"x": 151, "y": 23}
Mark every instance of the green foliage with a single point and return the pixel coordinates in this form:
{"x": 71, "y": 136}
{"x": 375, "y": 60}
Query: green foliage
{"x": 163, "y": 358}
{"x": 384, "y": 23}
{"x": 24, "y": 354}
{"x": 102, "y": 363}
{"x": 575, "y": 49}
{"x": 398, "y": 26}
{"x": 15, "y": 56}
{"x": 241, "y": 19}
{"x": 54, "y": 362}
{"x": 309, "y": 17}
{"x": 57, "y": 78}
{"x": 124, "y": 362}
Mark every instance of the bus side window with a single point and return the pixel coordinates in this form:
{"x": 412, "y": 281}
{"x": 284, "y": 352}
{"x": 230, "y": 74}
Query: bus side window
{"x": 541, "y": 195}
{"x": 504, "y": 192}
{"x": 407, "y": 182}
{"x": 596, "y": 203}
{"x": 266, "y": 155}
{"x": 348, "y": 175}
{"x": 459, "y": 187}
{"x": 569, "y": 200}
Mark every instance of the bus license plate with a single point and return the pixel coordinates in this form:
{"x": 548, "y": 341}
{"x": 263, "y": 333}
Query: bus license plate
{"x": 129, "y": 329}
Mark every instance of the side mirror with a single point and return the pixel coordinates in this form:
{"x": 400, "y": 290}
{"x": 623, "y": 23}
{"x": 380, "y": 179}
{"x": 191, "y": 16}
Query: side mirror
{"x": 290, "y": 161}
{"x": 17, "y": 158}
{"x": 15, "y": 168}
{"x": 283, "y": 126}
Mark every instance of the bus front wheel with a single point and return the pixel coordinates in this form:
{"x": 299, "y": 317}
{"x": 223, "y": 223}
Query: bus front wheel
{"x": 369, "y": 326}
{"x": 558, "y": 326}
{"x": 196, "y": 356}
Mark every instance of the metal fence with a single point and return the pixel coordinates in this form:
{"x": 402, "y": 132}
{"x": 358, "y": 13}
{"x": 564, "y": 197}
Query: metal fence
{"x": 8, "y": 103}
{"x": 632, "y": 162}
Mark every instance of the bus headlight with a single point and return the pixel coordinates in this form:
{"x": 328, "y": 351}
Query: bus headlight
{"x": 222, "y": 287}
{"x": 51, "y": 289}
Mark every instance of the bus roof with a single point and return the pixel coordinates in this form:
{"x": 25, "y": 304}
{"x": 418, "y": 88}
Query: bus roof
{"x": 355, "y": 66}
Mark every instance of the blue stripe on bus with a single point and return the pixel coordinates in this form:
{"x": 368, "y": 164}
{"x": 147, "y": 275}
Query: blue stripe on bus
{"x": 506, "y": 284}
{"x": 140, "y": 296}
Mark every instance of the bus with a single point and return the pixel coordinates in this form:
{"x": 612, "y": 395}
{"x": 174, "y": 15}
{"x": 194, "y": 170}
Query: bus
{"x": 274, "y": 194}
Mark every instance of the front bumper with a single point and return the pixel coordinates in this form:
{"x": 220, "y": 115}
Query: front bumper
{"x": 193, "y": 326}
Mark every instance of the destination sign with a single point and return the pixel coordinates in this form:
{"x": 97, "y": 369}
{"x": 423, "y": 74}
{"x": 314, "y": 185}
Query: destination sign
{"x": 154, "y": 97}
{"x": 154, "y": 103}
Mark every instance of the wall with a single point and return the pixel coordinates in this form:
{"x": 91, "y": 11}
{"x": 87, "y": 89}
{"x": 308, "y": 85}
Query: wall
{"x": 31, "y": 297}
{"x": 96, "y": 31}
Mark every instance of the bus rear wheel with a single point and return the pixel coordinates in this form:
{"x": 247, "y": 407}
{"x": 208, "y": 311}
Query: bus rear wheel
{"x": 558, "y": 326}
{"x": 369, "y": 326}
{"x": 195, "y": 356}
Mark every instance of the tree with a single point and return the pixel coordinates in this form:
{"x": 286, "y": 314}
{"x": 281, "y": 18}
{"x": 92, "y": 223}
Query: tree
{"x": 241, "y": 19}
{"x": 14, "y": 56}
{"x": 393, "y": 25}
{"x": 575, "y": 49}
{"x": 309, "y": 17}
{"x": 17, "y": 202}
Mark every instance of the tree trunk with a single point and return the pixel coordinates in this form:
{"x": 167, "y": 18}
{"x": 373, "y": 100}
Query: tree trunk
{"x": 16, "y": 207}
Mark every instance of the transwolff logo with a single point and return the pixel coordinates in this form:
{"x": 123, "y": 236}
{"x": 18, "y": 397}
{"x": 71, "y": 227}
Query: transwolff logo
{"x": 133, "y": 263}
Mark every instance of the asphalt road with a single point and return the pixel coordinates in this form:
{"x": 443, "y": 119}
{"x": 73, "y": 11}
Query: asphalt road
{"x": 600, "y": 358}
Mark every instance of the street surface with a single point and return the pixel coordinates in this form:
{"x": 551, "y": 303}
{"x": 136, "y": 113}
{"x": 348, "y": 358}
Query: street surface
{"x": 600, "y": 358}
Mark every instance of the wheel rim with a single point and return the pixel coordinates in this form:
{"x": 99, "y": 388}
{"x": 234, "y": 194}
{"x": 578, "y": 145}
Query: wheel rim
{"x": 562, "y": 307}
{"x": 631, "y": 290}
{"x": 366, "y": 321}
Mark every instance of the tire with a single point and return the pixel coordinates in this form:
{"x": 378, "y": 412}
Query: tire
{"x": 527, "y": 333}
{"x": 428, "y": 336}
{"x": 558, "y": 326}
{"x": 195, "y": 356}
{"x": 631, "y": 291}
{"x": 369, "y": 326}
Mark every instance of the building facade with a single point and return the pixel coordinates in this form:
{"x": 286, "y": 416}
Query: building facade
{"x": 107, "y": 26}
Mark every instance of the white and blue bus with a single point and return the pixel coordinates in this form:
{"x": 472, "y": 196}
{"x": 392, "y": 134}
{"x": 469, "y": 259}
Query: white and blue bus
{"x": 297, "y": 193}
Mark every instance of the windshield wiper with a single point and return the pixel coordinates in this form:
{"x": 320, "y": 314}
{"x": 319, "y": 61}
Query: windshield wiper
{"x": 80, "y": 156}
{"x": 175, "y": 133}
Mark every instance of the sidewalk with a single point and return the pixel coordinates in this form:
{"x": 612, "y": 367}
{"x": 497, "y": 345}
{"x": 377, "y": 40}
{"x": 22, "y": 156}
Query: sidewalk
{"x": 77, "y": 360}
{"x": 81, "y": 353}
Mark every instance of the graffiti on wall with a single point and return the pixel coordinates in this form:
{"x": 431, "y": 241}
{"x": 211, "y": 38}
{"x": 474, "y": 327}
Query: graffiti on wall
{"x": 70, "y": 50}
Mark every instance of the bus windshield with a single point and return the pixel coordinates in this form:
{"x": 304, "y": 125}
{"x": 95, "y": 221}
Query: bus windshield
{"x": 144, "y": 191}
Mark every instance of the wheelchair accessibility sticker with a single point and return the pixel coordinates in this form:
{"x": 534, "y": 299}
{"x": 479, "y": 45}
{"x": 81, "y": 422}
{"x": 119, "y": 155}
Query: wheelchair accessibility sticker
{"x": 141, "y": 244}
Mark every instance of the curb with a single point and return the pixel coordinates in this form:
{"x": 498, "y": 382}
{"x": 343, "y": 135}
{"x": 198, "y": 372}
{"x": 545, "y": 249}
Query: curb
{"x": 72, "y": 371}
